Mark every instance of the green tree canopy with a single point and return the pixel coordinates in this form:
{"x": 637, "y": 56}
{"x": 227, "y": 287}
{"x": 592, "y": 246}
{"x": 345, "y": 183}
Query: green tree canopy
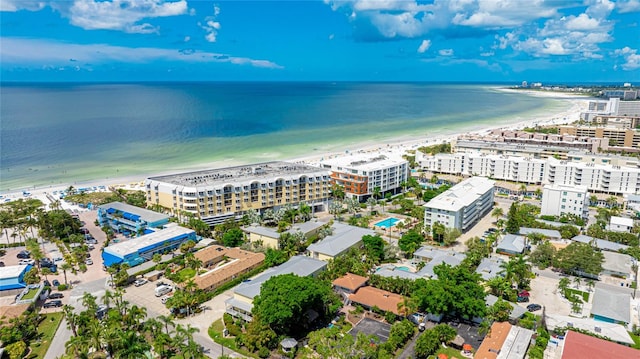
{"x": 374, "y": 247}
{"x": 542, "y": 256}
{"x": 410, "y": 241}
{"x": 456, "y": 290}
{"x": 233, "y": 237}
{"x": 579, "y": 257}
{"x": 285, "y": 302}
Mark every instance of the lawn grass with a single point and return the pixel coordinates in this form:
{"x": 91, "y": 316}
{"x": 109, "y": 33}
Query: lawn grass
{"x": 46, "y": 330}
{"x": 186, "y": 274}
{"x": 450, "y": 352}
{"x": 636, "y": 340}
{"x": 30, "y": 294}
{"x": 215, "y": 332}
{"x": 579, "y": 293}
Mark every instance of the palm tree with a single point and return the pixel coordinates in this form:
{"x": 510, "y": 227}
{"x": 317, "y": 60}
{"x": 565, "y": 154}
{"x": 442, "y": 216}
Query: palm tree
{"x": 371, "y": 202}
{"x": 577, "y": 281}
{"x": 497, "y": 213}
{"x": 71, "y": 318}
{"x": 78, "y": 347}
{"x": 65, "y": 267}
{"x": 376, "y": 192}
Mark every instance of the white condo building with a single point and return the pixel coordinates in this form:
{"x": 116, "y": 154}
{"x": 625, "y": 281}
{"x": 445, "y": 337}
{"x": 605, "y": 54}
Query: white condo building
{"x": 462, "y": 205}
{"x": 361, "y": 174}
{"x": 558, "y": 200}
{"x": 603, "y": 178}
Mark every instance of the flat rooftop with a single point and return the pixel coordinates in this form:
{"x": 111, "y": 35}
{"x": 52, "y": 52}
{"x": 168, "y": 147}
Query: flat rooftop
{"x": 365, "y": 161}
{"x": 9, "y": 272}
{"x": 461, "y": 195}
{"x": 145, "y": 214}
{"x": 132, "y": 245}
{"x": 227, "y": 175}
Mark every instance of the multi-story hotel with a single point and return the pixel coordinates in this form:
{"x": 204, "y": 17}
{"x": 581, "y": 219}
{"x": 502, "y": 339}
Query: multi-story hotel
{"x": 228, "y": 193}
{"x": 613, "y": 179}
{"x": 361, "y": 174}
{"x": 461, "y": 205}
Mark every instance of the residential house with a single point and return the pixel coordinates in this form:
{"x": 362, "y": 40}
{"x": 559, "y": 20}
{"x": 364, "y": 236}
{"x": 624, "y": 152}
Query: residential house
{"x": 343, "y": 238}
{"x": 349, "y": 283}
{"x": 370, "y": 297}
{"x": 511, "y": 244}
{"x": 241, "y": 303}
{"x": 617, "y": 265}
{"x": 225, "y": 264}
{"x": 599, "y": 243}
{"x": 490, "y": 267}
{"x": 547, "y": 233}
{"x": 504, "y": 341}
{"x": 620, "y": 224}
{"x": 611, "y": 307}
{"x": 579, "y": 346}
{"x": 615, "y": 332}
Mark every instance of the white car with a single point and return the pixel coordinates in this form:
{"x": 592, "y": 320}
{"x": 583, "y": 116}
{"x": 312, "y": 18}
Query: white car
{"x": 89, "y": 261}
{"x": 27, "y": 261}
{"x": 165, "y": 298}
{"x": 140, "y": 281}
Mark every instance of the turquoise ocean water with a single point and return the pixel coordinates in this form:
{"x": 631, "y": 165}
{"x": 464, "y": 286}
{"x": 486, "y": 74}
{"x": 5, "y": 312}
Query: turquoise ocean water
{"x": 55, "y": 134}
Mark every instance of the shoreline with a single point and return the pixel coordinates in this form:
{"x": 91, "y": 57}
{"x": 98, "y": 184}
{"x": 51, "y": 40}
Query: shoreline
{"x": 397, "y": 144}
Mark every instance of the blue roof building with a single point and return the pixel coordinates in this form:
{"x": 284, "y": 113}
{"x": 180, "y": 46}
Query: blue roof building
{"x": 141, "y": 249}
{"x": 125, "y": 218}
{"x": 12, "y": 277}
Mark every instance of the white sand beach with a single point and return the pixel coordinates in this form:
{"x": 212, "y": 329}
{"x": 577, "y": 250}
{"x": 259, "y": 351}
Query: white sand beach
{"x": 575, "y": 104}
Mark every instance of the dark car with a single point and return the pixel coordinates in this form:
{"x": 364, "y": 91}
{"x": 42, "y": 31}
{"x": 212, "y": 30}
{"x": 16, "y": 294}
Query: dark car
{"x": 1, "y": 264}
{"x": 533, "y": 307}
{"x": 55, "y": 296}
{"x": 522, "y": 299}
{"x": 24, "y": 255}
{"x": 53, "y": 304}
{"x": 56, "y": 282}
{"x": 47, "y": 283}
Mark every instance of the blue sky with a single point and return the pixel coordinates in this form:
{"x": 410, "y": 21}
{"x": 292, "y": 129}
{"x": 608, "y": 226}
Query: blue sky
{"x": 359, "y": 40}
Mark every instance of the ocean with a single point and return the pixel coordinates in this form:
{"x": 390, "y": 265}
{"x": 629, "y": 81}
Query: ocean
{"x": 67, "y": 133}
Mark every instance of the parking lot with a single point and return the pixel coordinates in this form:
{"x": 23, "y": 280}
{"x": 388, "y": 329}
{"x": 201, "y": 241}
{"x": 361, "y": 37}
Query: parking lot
{"x": 144, "y": 296}
{"x": 369, "y": 326}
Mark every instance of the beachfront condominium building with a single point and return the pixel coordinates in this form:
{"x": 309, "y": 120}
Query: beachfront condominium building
{"x": 618, "y": 137}
{"x": 462, "y": 205}
{"x": 558, "y": 200}
{"x": 527, "y": 144}
{"x": 611, "y": 179}
{"x": 363, "y": 174}
{"x": 128, "y": 219}
{"x": 217, "y": 195}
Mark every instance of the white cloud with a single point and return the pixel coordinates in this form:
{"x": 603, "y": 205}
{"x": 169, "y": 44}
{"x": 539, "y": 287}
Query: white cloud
{"x": 424, "y": 46}
{"x": 628, "y": 6}
{"x": 21, "y": 51}
{"x": 582, "y": 22}
{"x": 631, "y": 57}
{"x": 446, "y": 52}
{"x": 187, "y": 38}
{"x": 16, "y": 5}
{"x": 122, "y": 15}
{"x": 211, "y": 26}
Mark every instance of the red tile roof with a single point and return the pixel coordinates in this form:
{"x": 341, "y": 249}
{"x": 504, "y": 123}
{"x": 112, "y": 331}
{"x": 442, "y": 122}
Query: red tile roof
{"x": 350, "y": 281}
{"x": 370, "y": 297}
{"x": 579, "y": 346}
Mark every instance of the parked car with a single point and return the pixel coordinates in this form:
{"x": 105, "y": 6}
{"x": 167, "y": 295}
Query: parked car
{"x": 24, "y": 255}
{"x": 53, "y": 304}
{"x": 533, "y": 307}
{"x": 140, "y": 281}
{"x": 84, "y": 231}
{"x": 1, "y": 264}
{"x": 26, "y": 261}
{"x": 56, "y": 282}
{"x": 55, "y": 296}
{"x": 89, "y": 261}
{"x": 47, "y": 283}
{"x": 522, "y": 299}
{"x": 165, "y": 299}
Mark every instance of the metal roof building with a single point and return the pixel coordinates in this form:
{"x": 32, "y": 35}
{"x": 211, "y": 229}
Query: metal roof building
{"x": 344, "y": 237}
{"x": 12, "y": 277}
{"x": 611, "y": 307}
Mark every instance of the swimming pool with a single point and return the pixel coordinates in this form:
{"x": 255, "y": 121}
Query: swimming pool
{"x": 403, "y": 268}
{"x": 387, "y": 223}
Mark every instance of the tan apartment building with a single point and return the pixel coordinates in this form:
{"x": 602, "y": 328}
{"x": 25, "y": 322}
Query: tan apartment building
{"x": 217, "y": 195}
{"x": 268, "y": 237}
{"x": 618, "y": 137}
{"x": 224, "y": 264}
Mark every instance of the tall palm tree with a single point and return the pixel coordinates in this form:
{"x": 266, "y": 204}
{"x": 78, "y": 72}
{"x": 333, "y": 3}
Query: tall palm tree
{"x": 65, "y": 267}
{"x": 497, "y": 213}
{"x": 78, "y": 347}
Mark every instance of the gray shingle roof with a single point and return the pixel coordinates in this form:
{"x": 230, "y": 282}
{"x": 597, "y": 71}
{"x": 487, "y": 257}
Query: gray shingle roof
{"x": 549, "y": 233}
{"x": 343, "y": 238}
{"x": 263, "y": 231}
{"x": 452, "y": 260}
{"x": 511, "y": 243}
{"x": 299, "y": 265}
{"x": 489, "y": 267}
{"x": 617, "y": 262}
{"x": 600, "y": 243}
{"x": 612, "y": 305}
{"x": 396, "y": 273}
